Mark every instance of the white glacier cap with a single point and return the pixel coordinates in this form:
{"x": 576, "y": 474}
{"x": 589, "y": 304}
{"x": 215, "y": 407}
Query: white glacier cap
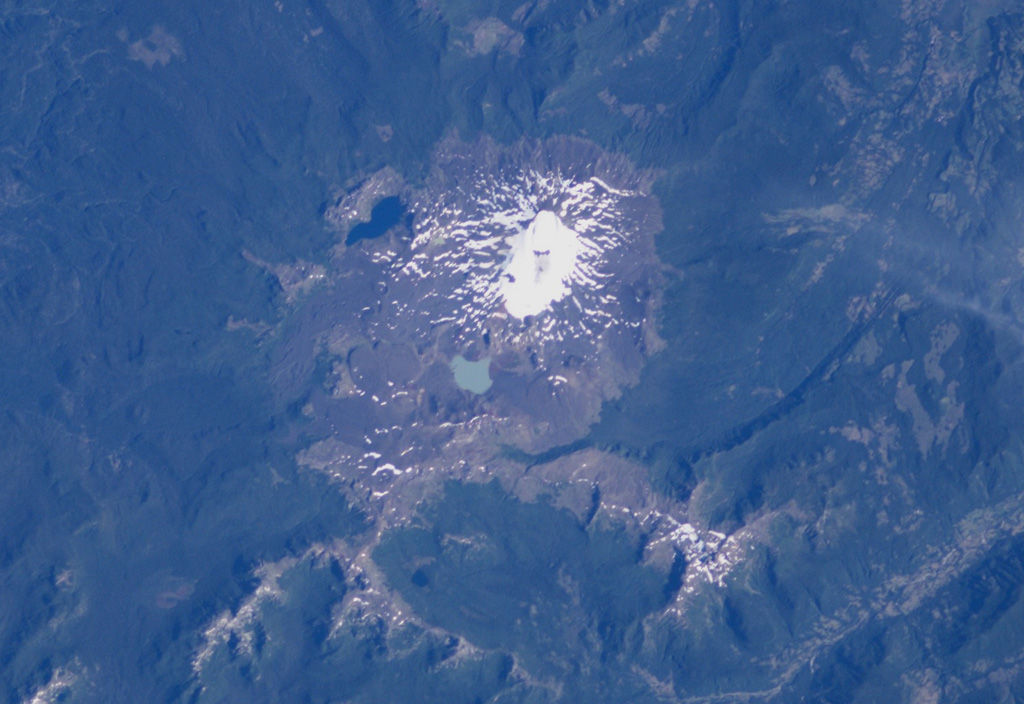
{"x": 539, "y": 268}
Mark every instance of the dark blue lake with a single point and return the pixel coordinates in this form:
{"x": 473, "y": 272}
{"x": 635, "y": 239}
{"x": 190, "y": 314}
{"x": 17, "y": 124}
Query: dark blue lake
{"x": 385, "y": 215}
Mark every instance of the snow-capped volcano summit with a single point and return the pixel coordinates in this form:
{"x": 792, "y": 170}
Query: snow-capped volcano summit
{"x": 540, "y": 245}
{"x": 540, "y": 265}
{"x": 537, "y": 256}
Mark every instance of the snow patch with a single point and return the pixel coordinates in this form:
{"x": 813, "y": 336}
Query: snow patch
{"x": 540, "y": 266}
